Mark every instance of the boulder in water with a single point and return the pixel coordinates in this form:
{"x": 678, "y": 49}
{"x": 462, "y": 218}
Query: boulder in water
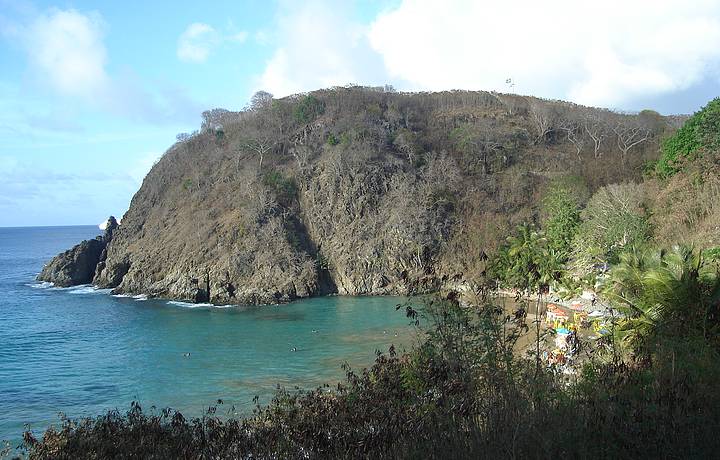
{"x": 80, "y": 264}
{"x": 75, "y": 266}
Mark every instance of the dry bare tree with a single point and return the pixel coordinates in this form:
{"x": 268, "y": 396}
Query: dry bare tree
{"x": 302, "y": 154}
{"x": 597, "y": 129}
{"x": 212, "y": 118}
{"x": 630, "y": 132}
{"x": 543, "y": 117}
{"x": 260, "y": 145}
{"x": 478, "y": 139}
{"x": 405, "y": 143}
{"x": 261, "y": 100}
{"x": 573, "y": 129}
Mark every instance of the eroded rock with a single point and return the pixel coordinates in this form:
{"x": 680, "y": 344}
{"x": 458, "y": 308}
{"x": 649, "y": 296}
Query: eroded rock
{"x": 75, "y": 266}
{"x": 82, "y": 263}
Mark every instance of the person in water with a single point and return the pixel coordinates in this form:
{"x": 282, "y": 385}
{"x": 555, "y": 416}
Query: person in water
{"x": 187, "y": 355}
{"x": 293, "y": 349}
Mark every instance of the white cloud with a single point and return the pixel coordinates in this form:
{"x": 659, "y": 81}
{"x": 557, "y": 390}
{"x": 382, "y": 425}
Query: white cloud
{"x": 67, "y": 55}
{"x": 319, "y": 45}
{"x": 67, "y": 51}
{"x": 603, "y": 53}
{"x": 196, "y": 42}
{"x": 240, "y": 37}
{"x": 199, "y": 40}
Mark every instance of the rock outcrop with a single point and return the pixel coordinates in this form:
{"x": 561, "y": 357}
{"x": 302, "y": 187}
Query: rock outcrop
{"x": 80, "y": 264}
{"x": 349, "y": 191}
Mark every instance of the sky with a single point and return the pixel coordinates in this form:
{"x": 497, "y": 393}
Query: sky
{"x": 92, "y": 93}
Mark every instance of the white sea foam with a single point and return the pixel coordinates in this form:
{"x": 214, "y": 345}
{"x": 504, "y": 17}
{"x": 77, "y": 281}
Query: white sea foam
{"x": 41, "y": 285}
{"x": 138, "y": 297}
{"x": 87, "y": 289}
{"x": 189, "y": 304}
{"x": 71, "y": 288}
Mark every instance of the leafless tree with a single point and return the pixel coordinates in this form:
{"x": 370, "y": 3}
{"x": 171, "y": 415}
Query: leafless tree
{"x": 629, "y": 132}
{"x": 212, "y": 118}
{"x": 405, "y": 143}
{"x": 573, "y": 129}
{"x": 596, "y": 127}
{"x": 261, "y": 100}
{"x": 543, "y": 117}
{"x": 301, "y": 153}
{"x": 478, "y": 139}
{"x": 260, "y": 145}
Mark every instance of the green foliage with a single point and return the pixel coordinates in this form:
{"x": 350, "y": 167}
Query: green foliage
{"x": 465, "y": 138}
{"x": 284, "y": 187}
{"x": 701, "y": 131}
{"x": 653, "y": 120}
{"x": 526, "y": 261}
{"x": 664, "y": 294}
{"x": 712, "y": 255}
{"x": 561, "y": 206}
{"x": 614, "y": 219}
{"x": 321, "y": 261}
{"x": 187, "y": 184}
{"x": 332, "y": 139}
{"x": 308, "y": 109}
{"x": 374, "y": 110}
{"x": 462, "y": 393}
{"x": 442, "y": 198}
{"x": 345, "y": 138}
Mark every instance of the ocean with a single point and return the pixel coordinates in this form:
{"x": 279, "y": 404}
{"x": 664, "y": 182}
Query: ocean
{"x": 81, "y": 351}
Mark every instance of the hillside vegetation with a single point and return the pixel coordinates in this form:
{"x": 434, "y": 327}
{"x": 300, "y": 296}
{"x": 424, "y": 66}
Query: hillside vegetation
{"x": 643, "y": 385}
{"x": 360, "y": 191}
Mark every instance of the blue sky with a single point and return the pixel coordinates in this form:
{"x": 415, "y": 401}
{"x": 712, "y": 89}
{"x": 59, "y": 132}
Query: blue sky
{"x": 92, "y": 93}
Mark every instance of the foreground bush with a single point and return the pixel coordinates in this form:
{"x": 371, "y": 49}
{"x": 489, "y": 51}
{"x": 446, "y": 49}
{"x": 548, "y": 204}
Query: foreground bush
{"x": 460, "y": 394}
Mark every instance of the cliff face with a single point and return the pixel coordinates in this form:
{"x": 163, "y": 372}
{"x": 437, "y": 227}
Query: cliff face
{"x": 350, "y": 191}
{"x": 79, "y": 264}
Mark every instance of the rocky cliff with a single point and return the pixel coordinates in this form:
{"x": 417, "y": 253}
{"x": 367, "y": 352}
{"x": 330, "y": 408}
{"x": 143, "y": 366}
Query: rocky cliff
{"x": 350, "y": 191}
{"x": 82, "y": 263}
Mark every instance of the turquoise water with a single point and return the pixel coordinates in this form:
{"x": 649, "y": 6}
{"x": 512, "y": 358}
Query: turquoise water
{"x": 81, "y": 351}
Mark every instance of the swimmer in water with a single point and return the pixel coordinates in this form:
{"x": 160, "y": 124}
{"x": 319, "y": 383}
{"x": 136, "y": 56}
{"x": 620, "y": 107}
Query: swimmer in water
{"x": 314, "y": 331}
{"x": 187, "y": 355}
{"x": 293, "y": 349}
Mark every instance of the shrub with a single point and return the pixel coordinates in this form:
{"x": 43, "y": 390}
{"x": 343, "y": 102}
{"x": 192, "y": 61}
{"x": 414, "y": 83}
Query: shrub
{"x": 308, "y": 109}
{"x": 332, "y": 139}
{"x": 561, "y": 205}
{"x": 615, "y": 218}
{"x": 701, "y": 131}
{"x": 284, "y": 187}
{"x": 461, "y": 393}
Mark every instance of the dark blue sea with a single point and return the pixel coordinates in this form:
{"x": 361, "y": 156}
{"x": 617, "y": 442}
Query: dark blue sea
{"x": 82, "y": 351}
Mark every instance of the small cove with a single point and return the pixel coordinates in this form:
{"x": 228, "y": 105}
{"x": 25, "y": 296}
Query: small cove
{"x": 81, "y": 351}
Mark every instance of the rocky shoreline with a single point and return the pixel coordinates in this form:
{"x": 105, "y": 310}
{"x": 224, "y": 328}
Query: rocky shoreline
{"x": 348, "y": 191}
{"x": 87, "y": 263}
{"x": 81, "y": 264}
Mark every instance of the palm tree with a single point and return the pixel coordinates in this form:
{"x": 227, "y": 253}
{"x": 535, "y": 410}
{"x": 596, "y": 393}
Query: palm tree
{"x": 525, "y": 256}
{"x": 533, "y": 267}
{"x": 663, "y": 292}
